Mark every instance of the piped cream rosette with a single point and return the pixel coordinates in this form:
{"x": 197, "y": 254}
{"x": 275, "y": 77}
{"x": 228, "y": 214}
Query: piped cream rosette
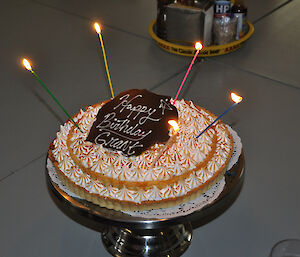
{"x": 186, "y": 169}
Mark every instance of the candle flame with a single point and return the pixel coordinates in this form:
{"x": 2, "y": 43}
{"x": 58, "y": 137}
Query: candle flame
{"x": 174, "y": 124}
{"x": 27, "y": 65}
{"x": 97, "y": 27}
{"x": 236, "y": 98}
{"x": 198, "y": 46}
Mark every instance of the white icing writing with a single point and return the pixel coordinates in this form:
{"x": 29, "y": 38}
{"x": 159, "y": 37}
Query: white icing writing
{"x": 125, "y": 104}
{"x": 111, "y": 124}
{"x": 126, "y": 146}
{"x": 125, "y": 134}
{"x": 164, "y": 105}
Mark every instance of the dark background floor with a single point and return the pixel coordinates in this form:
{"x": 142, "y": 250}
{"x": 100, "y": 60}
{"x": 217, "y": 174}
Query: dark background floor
{"x": 59, "y": 39}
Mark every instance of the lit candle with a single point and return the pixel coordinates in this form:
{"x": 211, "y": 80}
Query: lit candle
{"x": 236, "y": 99}
{"x": 198, "y": 47}
{"x": 98, "y": 30}
{"x": 28, "y": 67}
{"x": 175, "y": 126}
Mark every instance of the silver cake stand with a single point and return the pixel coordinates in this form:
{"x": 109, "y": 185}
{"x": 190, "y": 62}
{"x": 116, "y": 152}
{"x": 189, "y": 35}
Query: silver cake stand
{"x": 125, "y": 235}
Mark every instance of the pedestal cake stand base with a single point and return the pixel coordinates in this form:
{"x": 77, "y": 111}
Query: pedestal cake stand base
{"x": 126, "y": 235}
{"x": 170, "y": 241}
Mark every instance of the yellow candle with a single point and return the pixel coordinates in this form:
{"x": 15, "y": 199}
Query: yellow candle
{"x": 98, "y": 30}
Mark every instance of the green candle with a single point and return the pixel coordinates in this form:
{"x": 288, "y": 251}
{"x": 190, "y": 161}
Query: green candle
{"x": 28, "y": 67}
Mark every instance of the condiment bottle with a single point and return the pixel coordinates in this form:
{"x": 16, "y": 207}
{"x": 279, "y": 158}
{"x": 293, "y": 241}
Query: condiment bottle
{"x": 161, "y": 30}
{"x": 222, "y": 8}
{"x": 239, "y": 10}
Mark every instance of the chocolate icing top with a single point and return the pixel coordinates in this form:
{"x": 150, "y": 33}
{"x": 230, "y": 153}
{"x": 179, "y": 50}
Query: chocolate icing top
{"x": 133, "y": 121}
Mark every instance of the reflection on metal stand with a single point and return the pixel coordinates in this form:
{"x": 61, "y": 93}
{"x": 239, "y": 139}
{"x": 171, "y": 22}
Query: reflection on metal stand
{"x": 169, "y": 241}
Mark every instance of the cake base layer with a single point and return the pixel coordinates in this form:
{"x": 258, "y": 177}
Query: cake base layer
{"x": 129, "y": 206}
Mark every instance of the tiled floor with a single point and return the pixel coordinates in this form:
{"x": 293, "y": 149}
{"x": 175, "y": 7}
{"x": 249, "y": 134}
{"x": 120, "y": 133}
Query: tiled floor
{"x": 59, "y": 39}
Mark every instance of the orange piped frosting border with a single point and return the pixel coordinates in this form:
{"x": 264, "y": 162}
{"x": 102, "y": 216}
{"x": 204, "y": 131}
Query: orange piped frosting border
{"x": 186, "y": 169}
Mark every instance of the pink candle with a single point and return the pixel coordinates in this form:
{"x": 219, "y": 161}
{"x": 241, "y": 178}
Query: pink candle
{"x": 198, "y": 47}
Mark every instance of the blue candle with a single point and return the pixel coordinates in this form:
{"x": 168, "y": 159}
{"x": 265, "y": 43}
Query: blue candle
{"x": 237, "y": 99}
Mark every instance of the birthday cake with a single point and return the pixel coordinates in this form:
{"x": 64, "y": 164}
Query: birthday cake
{"x": 125, "y": 153}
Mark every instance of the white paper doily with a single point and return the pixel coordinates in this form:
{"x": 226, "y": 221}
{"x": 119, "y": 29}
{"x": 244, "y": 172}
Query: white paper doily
{"x": 183, "y": 209}
{"x": 237, "y": 148}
